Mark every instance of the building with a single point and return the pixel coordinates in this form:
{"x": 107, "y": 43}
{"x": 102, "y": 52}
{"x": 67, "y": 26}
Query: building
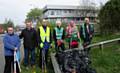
{"x": 1, "y": 29}
{"x": 67, "y": 13}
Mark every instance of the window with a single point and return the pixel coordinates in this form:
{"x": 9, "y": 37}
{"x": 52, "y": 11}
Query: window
{"x": 52, "y": 13}
{"x": 65, "y": 11}
{"x": 70, "y": 11}
{"x": 59, "y": 12}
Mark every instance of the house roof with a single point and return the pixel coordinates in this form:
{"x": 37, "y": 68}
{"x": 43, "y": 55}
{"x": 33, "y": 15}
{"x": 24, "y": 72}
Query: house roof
{"x": 63, "y": 7}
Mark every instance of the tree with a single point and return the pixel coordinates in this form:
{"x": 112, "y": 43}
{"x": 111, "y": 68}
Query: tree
{"x": 8, "y": 23}
{"x": 34, "y": 14}
{"x": 109, "y": 17}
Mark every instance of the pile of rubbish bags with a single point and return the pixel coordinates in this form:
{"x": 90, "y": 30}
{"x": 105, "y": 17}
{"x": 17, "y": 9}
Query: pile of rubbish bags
{"x": 75, "y": 61}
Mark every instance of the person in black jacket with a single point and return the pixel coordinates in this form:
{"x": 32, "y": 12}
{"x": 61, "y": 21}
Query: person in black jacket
{"x": 29, "y": 36}
{"x": 86, "y": 33}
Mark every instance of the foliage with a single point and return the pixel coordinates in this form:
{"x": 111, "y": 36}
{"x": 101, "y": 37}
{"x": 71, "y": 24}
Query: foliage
{"x": 109, "y": 17}
{"x": 8, "y": 23}
{"x": 34, "y": 14}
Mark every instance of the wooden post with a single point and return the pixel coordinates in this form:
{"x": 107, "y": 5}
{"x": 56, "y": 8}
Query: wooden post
{"x": 101, "y": 46}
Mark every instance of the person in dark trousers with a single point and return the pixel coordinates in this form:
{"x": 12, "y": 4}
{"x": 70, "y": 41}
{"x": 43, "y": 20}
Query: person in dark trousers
{"x": 11, "y": 43}
{"x": 45, "y": 39}
{"x": 59, "y": 36}
{"x": 29, "y": 36}
{"x": 86, "y": 33}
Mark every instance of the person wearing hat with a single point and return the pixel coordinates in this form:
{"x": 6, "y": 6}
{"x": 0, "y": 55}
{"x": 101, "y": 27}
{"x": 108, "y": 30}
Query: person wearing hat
{"x": 86, "y": 33}
{"x": 44, "y": 40}
{"x": 59, "y": 36}
{"x": 29, "y": 36}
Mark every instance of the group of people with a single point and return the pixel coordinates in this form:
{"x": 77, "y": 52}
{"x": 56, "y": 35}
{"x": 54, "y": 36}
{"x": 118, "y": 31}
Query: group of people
{"x": 42, "y": 39}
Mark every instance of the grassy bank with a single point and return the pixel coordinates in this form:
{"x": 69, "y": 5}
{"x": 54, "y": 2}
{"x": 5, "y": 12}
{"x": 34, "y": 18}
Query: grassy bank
{"x": 107, "y": 61}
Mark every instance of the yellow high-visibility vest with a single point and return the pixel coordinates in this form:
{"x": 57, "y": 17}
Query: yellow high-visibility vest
{"x": 44, "y": 35}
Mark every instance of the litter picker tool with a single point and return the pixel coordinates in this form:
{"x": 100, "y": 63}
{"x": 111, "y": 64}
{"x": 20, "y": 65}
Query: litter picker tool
{"x": 44, "y": 68}
{"x": 16, "y": 63}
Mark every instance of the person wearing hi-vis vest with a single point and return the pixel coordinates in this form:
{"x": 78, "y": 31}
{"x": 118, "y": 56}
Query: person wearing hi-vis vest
{"x": 59, "y": 35}
{"x": 44, "y": 38}
{"x": 86, "y": 33}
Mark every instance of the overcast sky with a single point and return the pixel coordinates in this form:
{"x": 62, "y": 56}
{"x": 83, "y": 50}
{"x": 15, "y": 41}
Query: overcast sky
{"x": 16, "y": 10}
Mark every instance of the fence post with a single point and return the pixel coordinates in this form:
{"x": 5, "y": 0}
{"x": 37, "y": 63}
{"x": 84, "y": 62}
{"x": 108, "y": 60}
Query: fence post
{"x": 101, "y": 46}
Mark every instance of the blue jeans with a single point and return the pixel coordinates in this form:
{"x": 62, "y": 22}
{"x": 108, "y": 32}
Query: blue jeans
{"x": 29, "y": 53}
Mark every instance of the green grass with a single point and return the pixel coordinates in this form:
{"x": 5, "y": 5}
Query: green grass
{"x": 99, "y": 38}
{"x": 37, "y": 69}
{"x": 106, "y": 61}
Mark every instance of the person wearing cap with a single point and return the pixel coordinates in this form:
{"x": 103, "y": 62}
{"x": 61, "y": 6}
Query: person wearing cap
{"x": 45, "y": 39}
{"x": 86, "y": 33}
{"x": 72, "y": 35}
{"x": 11, "y": 43}
{"x": 59, "y": 36}
{"x": 29, "y": 36}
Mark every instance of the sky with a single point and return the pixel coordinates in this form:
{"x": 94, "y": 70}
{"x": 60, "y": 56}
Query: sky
{"x": 16, "y": 10}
